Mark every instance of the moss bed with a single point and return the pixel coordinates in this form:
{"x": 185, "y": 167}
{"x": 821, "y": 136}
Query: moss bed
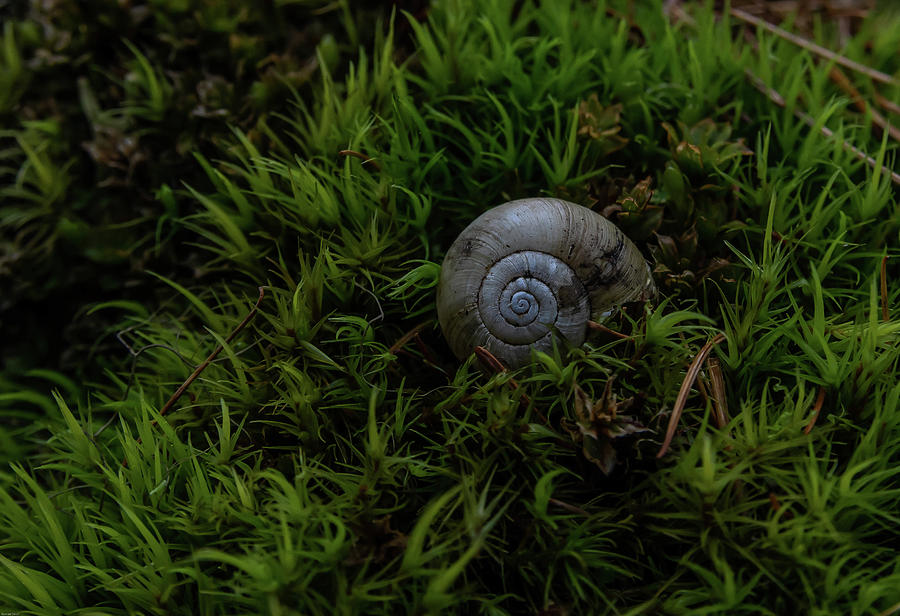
{"x": 261, "y": 194}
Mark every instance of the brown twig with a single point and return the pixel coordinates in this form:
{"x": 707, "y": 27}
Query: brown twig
{"x": 681, "y": 400}
{"x": 570, "y": 508}
{"x": 212, "y": 356}
{"x": 701, "y": 387}
{"x": 602, "y": 328}
{"x": 816, "y": 49}
{"x": 890, "y": 611}
{"x": 673, "y": 9}
{"x": 720, "y": 404}
{"x": 178, "y": 392}
{"x": 817, "y": 408}
{"x": 885, "y": 312}
{"x": 776, "y": 98}
{"x": 887, "y": 104}
{"x": 407, "y": 337}
{"x": 843, "y": 82}
{"x": 495, "y": 365}
{"x": 365, "y": 159}
{"x": 399, "y": 346}
{"x": 489, "y": 360}
{"x": 426, "y": 352}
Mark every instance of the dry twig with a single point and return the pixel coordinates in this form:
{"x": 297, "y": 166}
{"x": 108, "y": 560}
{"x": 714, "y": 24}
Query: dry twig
{"x": 212, "y": 356}
{"x": 406, "y": 338}
{"x": 717, "y": 382}
{"x": 817, "y": 408}
{"x": 603, "y": 328}
{"x": 569, "y": 508}
{"x": 178, "y": 392}
{"x": 887, "y": 104}
{"x": 681, "y": 400}
{"x": 843, "y": 82}
{"x": 365, "y": 159}
{"x": 496, "y": 366}
{"x": 816, "y": 49}
{"x": 776, "y": 98}
{"x": 894, "y": 609}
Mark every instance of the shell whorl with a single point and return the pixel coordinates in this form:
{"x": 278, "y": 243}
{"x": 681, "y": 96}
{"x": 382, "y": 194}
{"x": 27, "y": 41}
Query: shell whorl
{"x": 530, "y": 269}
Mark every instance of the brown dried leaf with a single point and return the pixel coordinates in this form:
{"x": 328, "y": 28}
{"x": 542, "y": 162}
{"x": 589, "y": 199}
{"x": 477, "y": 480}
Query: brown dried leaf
{"x": 601, "y": 124}
{"x": 598, "y": 424}
{"x": 638, "y": 197}
{"x": 600, "y": 452}
{"x": 376, "y": 542}
{"x": 583, "y": 406}
{"x": 668, "y": 250}
{"x": 623, "y": 425}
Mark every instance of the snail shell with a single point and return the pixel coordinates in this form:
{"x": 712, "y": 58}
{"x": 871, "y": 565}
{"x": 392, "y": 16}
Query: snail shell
{"x": 530, "y": 268}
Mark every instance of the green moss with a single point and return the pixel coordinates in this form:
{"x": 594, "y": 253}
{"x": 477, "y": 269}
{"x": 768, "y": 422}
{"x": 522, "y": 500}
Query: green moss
{"x": 335, "y": 457}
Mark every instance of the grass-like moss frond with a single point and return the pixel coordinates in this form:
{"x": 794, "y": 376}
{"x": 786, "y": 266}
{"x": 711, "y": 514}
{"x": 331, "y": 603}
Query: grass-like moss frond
{"x": 333, "y": 457}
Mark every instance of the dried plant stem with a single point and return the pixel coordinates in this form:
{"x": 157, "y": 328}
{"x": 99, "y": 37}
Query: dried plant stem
{"x": 890, "y": 611}
{"x": 212, "y": 356}
{"x": 178, "y": 392}
{"x": 681, "y": 400}
{"x": 426, "y": 351}
{"x": 817, "y": 408}
{"x": 776, "y": 98}
{"x": 816, "y": 49}
{"x": 843, "y": 82}
{"x": 405, "y": 338}
{"x": 895, "y": 177}
{"x": 569, "y": 508}
{"x": 365, "y": 159}
{"x": 841, "y": 79}
{"x": 717, "y": 382}
{"x": 602, "y": 328}
{"x": 675, "y": 11}
{"x": 887, "y": 104}
{"x": 490, "y": 361}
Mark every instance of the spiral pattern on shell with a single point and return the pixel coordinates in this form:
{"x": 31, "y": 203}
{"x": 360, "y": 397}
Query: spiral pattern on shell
{"x": 528, "y": 270}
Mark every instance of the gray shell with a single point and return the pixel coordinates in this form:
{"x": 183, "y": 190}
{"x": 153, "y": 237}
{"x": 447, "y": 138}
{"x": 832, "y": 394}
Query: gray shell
{"x": 527, "y": 268}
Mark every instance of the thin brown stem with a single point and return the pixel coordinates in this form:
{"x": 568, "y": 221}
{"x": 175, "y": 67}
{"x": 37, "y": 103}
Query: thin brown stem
{"x": 602, "y": 328}
{"x": 178, "y": 392}
{"x": 894, "y": 609}
{"x": 212, "y": 356}
{"x": 426, "y": 352}
{"x": 681, "y": 400}
{"x": 570, "y": 508}
{"x": 717, "y": 383}
{"x": 489, "y": 360}
{"x": 776, "y": 98}
{"x": 365, "y": 159}
{"x": 407, "y": 337}
{"x": 843, "y": 82}
{"x": 887, "y": 104}
{"x": 816, "y": 49}
{"x": 496, "y": 366}
{"x": 817, "y": 408}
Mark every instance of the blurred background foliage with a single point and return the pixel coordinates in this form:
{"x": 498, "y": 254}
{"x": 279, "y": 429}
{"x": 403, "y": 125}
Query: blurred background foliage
{"x": 104, "y": 105}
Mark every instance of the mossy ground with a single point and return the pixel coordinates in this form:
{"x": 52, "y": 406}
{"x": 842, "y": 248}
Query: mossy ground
{"x": 165, "y": 164}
